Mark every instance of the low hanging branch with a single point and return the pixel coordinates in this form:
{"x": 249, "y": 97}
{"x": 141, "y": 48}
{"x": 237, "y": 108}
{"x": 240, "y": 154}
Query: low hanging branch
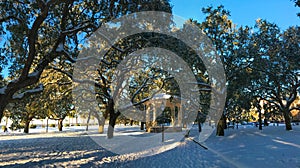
{"x": 26, "y": 93}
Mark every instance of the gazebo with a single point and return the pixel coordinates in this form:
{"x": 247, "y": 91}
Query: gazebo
{"x": 154, "y": 108}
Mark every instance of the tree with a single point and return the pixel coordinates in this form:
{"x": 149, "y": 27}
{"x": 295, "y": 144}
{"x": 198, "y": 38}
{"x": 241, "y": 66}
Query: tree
{"x": 38, "y": 32}
{"x": 275, "y": 67}
{"x": 56, "y": 98}
{"x": 22, "y": 112}
{"x": 260, "y": 64}
{"x": 297, "y": 3}
{"x": 142, "y": 81}
{"x": 220, "y": 29}
{"x": 118, "y": 69}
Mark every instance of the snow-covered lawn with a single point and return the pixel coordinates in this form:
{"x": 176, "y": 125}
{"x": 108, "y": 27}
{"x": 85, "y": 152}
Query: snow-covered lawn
{"x": 74, "y": 147}
{"x": 270, "y": 147}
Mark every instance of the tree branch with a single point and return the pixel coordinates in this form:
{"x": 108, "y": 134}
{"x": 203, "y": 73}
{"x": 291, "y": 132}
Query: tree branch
{"x": 20, "y": 96}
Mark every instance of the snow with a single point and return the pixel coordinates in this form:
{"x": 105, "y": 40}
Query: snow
{"x": 243, "y": 147}
{"x": 18, "y": 96}
{"x": 164, "y": 96}
{"x": 161, "y": 96}
{"x": 46, "y": 2}
{"x": 60, "y": 47}
{"x": 3, "y": 89}
{"x": 34, "y": 74}
{"x": 35, "y": 90}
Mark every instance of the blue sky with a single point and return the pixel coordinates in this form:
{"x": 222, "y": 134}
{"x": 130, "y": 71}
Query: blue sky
{"x": 243, "y": 12}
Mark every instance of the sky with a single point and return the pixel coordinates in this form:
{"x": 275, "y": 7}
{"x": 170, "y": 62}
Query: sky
{"x": 243, "y": 12}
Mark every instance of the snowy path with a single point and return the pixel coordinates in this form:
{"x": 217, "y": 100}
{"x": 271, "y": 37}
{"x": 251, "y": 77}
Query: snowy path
{"x": 245, "y": 147}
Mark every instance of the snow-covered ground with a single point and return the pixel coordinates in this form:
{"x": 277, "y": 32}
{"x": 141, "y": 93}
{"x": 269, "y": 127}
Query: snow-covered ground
{"x": 74, "y": 147}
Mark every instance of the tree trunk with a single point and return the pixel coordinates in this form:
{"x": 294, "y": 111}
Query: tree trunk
{"x": 101, "y": 122}
{"x": 112, "y": 122}
{"x": 101, "y": 128}
{"x": 26, "y": 128}
{"x": 1, "y": 111}
{"x": 112, "y": 118}
{"x": 143, "y": 125}
{"x": 88, "y": 121}
{"x": 131, "y": 122}
{"x": 3, "y": 104}
{"x": 199, "y": 126}
{"x": 148, "y": 126}
{"x": 221, "y": 126}
{"x": 266, "y": 122}
{"x": 60, "y": 124}
{"x": 259, "y": 120}
{"x": 287, "y": 119}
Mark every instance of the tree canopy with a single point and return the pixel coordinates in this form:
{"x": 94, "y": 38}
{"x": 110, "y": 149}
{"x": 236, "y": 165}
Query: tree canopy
{"x": 42, "y": 41}
{"x": 38, "y": 33}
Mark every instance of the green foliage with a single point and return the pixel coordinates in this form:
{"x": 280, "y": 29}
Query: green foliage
{"x": 229, "y": 42}
{"x": 165, "y": 116}
{"x": 56, "y": 99}
{"x": 261, "y": 63}
{"x": 16, "y": 125}
{"x": 33, "y": 126}
{"x": 3, "y": 127}
{"x": 52, "y": 125}
{"x": 25, "y": 110}
{"x": 39, "y": 34}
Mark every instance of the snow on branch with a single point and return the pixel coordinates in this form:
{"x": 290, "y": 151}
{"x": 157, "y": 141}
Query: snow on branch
{"x": 70, "y": 75}
{"x": 144, "y": 84}
{"x": 3, "y": 90}
{"x": 60, "y": 47}
{"x": 34, "y": 74}
{"x": 38, "y": 89}
{"x": 140, "y": 88}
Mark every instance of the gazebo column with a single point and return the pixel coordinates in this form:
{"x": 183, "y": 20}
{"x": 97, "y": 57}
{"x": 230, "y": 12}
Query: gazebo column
{"x": 147, "y": 118}
{"x": 179, "y": 117}
{"x": 154, "y": 116}
{"x": 143, "y": 121}
{"x": 172, "y": 115}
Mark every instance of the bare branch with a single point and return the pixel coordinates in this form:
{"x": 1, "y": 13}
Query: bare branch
{"x": 76, "y": 80}
{"x": 32, "y": 37}
{"x": 81, "y": 27}
{"x": 139, "y": 89}
{"x": 294, "y": 108}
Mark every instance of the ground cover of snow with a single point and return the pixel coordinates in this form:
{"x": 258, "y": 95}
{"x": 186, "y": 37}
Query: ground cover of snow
{"x": 74, "y": 147}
